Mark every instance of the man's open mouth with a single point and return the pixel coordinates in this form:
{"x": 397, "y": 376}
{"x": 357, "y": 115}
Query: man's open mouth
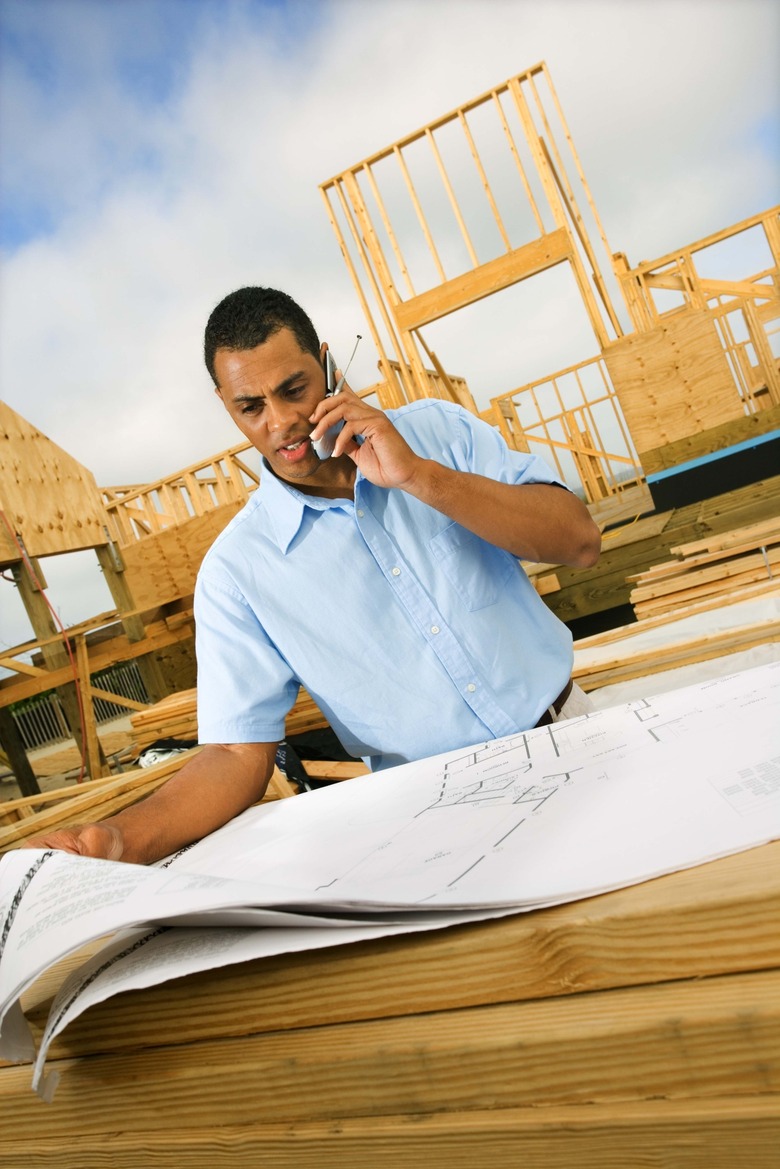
{"x": 290, "y": 449}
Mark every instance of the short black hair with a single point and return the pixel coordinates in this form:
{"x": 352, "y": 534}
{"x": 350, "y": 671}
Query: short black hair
{"x": 249, "y": 316}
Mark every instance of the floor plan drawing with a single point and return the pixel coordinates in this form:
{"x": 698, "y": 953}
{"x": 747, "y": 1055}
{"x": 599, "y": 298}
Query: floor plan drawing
{"x": 547, "y": 816}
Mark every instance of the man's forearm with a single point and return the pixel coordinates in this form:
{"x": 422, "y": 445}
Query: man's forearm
{"x": 533, "y": 521}
{"x": 217, "y": 784}
{"x": 211, "y": 789}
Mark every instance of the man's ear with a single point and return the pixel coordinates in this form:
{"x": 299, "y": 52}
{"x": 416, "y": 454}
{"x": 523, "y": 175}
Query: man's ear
{"x": 218, "y": 392}
{"x": 323, "y": 351}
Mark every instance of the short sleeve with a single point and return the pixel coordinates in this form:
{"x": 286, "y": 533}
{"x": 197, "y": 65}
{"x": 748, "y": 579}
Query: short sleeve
{"x": 456, "y": 437}
{"x": 245, "y": 687}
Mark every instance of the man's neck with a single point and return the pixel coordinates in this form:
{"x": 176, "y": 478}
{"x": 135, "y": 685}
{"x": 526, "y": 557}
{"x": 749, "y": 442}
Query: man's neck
{"x": 335, "y": 480}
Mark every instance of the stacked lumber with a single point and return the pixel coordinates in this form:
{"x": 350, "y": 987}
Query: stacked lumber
{"x": 594, "y": 668}
{"x": 176, "y": 717}
{"x": 627, "y": 665}
{"x": 99, "y": 798}
{"x": 641, "y": 1026}
{"x": 718, "y": 566}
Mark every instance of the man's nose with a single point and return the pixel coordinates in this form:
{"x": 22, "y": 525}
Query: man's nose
{"x": 279, "y": 414}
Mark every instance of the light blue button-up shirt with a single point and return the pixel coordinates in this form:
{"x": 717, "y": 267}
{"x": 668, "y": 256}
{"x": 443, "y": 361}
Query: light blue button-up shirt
{"x": 412, "y": 635}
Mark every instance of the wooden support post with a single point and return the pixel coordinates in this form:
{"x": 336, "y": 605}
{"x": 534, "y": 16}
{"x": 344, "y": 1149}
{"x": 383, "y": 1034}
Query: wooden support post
{"x": 110, "y": 559}
{"x": 17, "y": 756}
{"x": 94, "y": 760}
{"x": 763, "y": 350}
{"x": 355, "y": 222}
{"x": 30, "y": 583}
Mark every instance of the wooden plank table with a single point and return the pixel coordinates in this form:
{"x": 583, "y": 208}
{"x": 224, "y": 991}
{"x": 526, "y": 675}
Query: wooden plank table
{"x": 638, "y": 1028}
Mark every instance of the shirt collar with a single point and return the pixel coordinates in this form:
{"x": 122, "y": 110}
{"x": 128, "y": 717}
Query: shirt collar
{"x": 285, "y": 504}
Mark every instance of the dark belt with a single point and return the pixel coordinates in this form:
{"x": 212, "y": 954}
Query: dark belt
{"x": 557, "y": 706}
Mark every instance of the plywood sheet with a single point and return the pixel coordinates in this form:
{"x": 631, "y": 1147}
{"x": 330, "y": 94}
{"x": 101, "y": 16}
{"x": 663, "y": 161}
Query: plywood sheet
{"x": 673, "y": 381}
{"x": 48, "y": 497}
{"x": 163, "y": 567}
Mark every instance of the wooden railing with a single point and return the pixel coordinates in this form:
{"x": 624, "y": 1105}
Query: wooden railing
{"x": 574, "y": 420}
{"x": 135, "y": 512}
{"x": 745, "y": 311}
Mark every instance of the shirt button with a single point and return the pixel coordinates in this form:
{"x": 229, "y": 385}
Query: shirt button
{"x": 396, "y": 572}
{"x": 434, "y": 629}
{"x": 471, "y": 687}
{"x": 361, "y": 513}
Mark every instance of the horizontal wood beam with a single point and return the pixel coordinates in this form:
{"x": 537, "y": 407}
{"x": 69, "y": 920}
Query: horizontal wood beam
{"x": 677, "y": 1039}
{"x": 717, "y": 1133}
{"x": 118, "y": 650}
{"x": 117, "y": 699}
{"x": 21, "y": 667}
{"x": 491, "y": 277}
{"x": 747, "y": 288}
{"x": 111, "y": 617}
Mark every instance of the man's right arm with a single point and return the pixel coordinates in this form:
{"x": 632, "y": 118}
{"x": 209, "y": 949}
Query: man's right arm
{"x": 217, "y": 784}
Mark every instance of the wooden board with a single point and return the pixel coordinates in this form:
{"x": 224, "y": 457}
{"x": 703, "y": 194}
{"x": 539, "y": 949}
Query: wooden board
{"x": 641, "y": 1024}
{"x": 673, "y": 381}
{"x": 163, "y": 567}
{"x": 576, "y": 1049}
{"x": 585, "y": 592}
{"x": 177, "y": 717}
{"x": 718, "y": 566}
{"x": 45, "y": 494}
{"x": 719, "y": 1133}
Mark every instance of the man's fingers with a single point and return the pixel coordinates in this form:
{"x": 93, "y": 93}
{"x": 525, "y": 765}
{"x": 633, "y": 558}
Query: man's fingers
{"x": 66, "y": 840}
{"x": 103, "y": 841}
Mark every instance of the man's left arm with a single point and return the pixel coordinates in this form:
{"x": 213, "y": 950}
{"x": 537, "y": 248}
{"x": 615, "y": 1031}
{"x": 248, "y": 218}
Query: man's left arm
{"x": 542, "y": 522}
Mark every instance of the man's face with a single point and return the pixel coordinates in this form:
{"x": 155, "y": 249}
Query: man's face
{"x": 270, "y": 393}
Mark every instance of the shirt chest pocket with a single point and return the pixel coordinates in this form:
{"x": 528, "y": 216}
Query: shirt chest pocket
{"x": 477, "y": 571}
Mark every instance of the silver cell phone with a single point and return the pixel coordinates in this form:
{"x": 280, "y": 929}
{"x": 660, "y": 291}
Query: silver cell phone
{"x": 324, "y": 446}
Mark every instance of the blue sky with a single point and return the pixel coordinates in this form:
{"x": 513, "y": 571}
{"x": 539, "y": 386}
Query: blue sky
{"x": 155, "y": 154}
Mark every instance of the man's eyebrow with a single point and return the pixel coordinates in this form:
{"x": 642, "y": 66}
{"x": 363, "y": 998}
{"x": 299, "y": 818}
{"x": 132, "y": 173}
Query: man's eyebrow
{"x": 280, "y": 389}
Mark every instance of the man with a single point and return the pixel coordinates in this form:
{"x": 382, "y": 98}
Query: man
{"x": 385, "y": 579}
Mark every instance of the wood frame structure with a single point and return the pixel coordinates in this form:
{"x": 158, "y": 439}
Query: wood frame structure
{"x": 692, "y": 379}
{"x": 676, "y": 378}
{"x": 69, "y": 662}
{"x": 700, "y": 375}
{"x": 463, "y": 266}
{"x": 49, "y": 505}
{"x": 137, "y": 511}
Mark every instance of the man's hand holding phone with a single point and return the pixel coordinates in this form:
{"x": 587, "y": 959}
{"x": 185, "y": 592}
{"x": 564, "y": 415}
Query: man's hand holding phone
{"x": 367, "y": 436}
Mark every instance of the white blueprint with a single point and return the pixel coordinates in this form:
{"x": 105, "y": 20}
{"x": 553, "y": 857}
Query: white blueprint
{"x": 552, "y": 815}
